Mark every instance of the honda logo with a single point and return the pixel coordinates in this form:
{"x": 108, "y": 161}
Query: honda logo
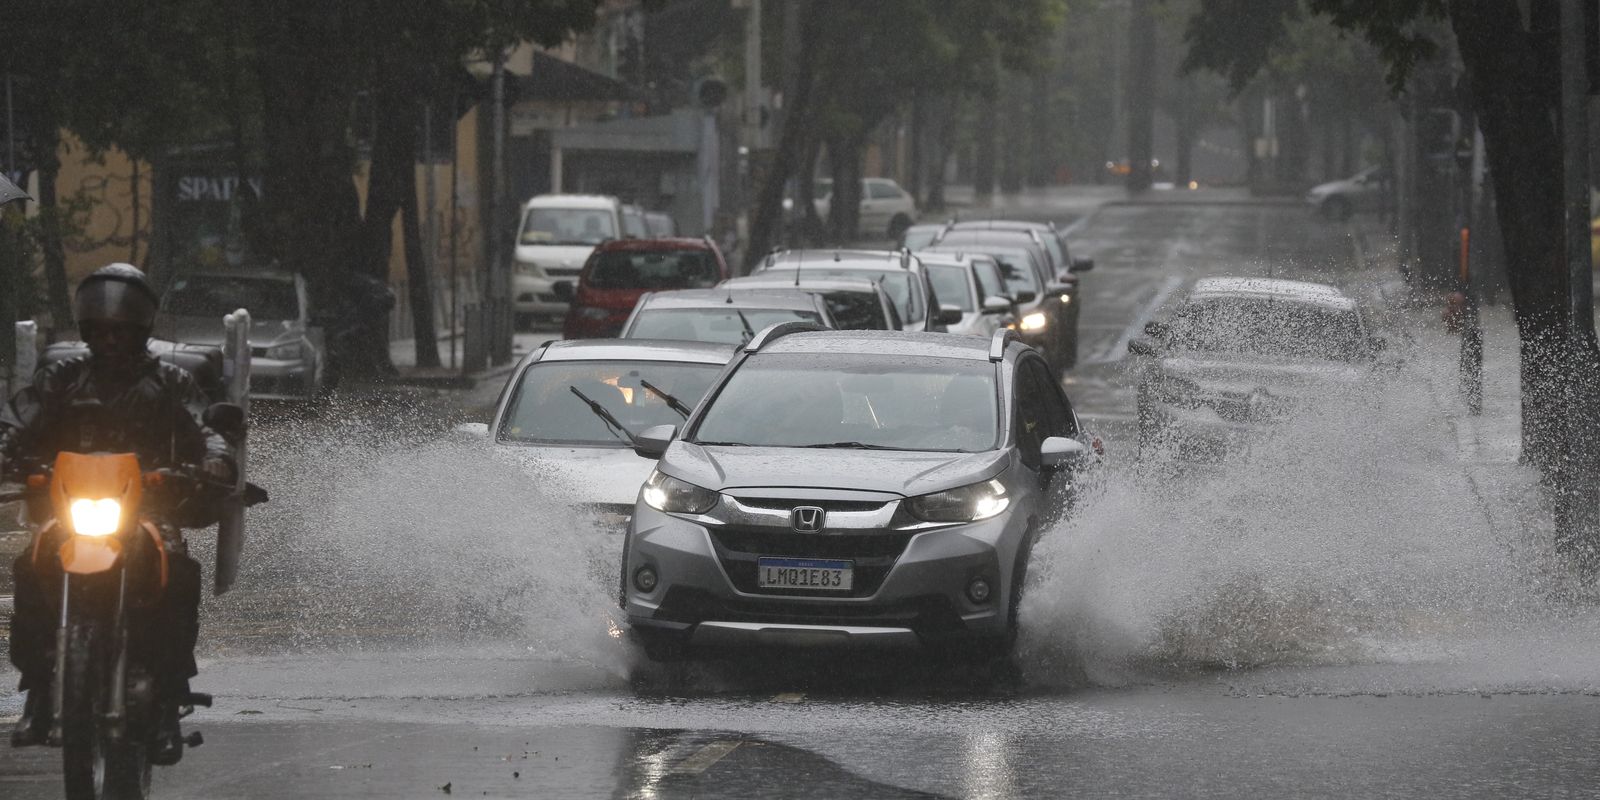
{"x": 807, "y": 519}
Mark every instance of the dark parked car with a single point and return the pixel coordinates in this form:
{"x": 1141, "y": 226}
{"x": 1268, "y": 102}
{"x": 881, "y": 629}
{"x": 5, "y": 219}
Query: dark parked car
{"x": 729, "y": 316}
{"x": 857, "y": 304}
{"x": 622, "y": 270}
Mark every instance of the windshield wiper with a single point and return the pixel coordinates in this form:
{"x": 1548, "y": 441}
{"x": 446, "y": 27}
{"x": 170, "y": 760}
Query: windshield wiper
{"x": 672, "y": 402}
{"x": 850, "y": 446}
{"x": 749, "y": 333}
{"x": 605, "y": 416}
{"x": 721, "y": 444}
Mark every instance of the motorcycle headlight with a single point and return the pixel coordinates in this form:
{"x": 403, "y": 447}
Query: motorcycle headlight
{"x": 663, "y": 492}
{"x": 96, "y": 517}
{"x": 964, "y": 504}
{"x": 283, "y": 352}
{"x": 1034, "y": 322}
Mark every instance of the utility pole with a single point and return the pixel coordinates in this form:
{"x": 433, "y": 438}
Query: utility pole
{"x": 1141, "y": 95}
{"x": 1577, "y": 512}
{"x": 497, "y": 296}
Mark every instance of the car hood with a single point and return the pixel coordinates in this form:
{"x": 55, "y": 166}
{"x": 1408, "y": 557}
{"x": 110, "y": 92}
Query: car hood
{"x": 208, "y": 330}
{"x": 902, "y": 473}
{"x": 552, "y": 255}
{"x": 1278, "y": 376}
{"x": 607, "y": 476}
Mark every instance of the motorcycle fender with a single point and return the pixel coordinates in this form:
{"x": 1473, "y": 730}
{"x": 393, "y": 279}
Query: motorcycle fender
{"x": 86, "y": 555}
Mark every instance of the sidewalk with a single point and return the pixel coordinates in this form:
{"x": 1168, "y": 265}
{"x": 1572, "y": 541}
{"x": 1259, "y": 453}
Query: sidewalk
{"x": 403, "y": 354}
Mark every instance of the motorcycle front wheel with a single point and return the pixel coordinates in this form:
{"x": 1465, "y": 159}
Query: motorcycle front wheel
{"x": 94, "y": 765}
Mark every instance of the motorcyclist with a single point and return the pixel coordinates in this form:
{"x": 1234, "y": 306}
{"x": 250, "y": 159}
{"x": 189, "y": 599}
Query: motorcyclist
{"x": 135, "y": 404}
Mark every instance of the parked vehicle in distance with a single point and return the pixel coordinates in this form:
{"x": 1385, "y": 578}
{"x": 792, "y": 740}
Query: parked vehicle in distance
{"x": 955, "y": 277}
{"x": 728, "y": 316}
{"x": 1037, "y": 318}
{"x": 896, "y": 505}
{"x": 660, "y": 224}
{"x": 1240, "y": 354}
{"x": 886, "y": 209}
{"x": 578, "y": 405}
{"x": 1063, "y": 268}
{"x": 287, "y": 351}
{"x": 857, "y": 304}
{"x": 620, "y": 271}
{"x": 633, "y": 223}
{"x": 1341, "y": 199}
{"x": 556, "y": 234}
{"x": 921, "y": 235}
{"x": 899, "y": 272}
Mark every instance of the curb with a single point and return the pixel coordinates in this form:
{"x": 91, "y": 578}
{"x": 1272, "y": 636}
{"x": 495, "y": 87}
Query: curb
{"x": 445, "y": 381}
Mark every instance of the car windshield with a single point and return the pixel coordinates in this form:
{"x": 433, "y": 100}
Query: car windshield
{"x": 1267, "y": 327}
{"x": 217, "y": 296}
{"x": 567, "y": 226}
{"x": 668, "y": 269}
{"x": 725, "y": 324}
{"x": 896, "y": 284}
{"x": 856, "y": 401}
{"x": 857, "y": 311}
{"x": 952, "y": 285}
{"x": 919, "y": 236}
{"x": 545, "y": 410}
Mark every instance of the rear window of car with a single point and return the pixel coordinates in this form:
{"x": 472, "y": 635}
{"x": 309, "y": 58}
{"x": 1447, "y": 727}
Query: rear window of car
{"x": 664, "y": 269}
{"x": 722, "y": 325}
{"x": 1267, "y": 327}
{"x": 857, "y": 311}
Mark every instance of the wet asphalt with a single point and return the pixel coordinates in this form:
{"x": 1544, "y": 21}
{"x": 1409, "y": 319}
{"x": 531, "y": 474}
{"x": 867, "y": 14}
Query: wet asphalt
{"x": 335, "y": 688}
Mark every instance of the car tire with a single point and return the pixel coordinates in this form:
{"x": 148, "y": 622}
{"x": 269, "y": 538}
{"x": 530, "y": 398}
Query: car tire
{"x": 662, "y": 647}
{"x": 1337, "y": 208}
{"x": 897, "y": 226}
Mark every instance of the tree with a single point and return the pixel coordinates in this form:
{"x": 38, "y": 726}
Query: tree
{"x": 1513, "y": 79}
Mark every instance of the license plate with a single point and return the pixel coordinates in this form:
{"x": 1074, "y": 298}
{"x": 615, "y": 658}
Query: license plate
{"x": 804, "y": 573}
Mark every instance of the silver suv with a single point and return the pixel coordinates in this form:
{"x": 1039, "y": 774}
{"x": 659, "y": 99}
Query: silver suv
{"x": 852, "y": 487}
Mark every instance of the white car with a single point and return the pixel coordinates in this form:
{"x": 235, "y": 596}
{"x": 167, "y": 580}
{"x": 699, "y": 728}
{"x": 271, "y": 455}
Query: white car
{"x": 286, "y": 350}
{"x": 886, "y": 208}
{"x": 971, "y": 282}
{"x": 1340, "y": 199}
{"x": 556, "y": 235}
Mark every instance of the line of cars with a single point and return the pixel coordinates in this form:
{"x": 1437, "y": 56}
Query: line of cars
{"x": 844, "y": 447}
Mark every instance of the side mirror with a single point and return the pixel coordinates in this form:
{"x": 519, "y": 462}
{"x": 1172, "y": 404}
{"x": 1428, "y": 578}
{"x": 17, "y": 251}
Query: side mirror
{"x": 1026, "y": 296}
{"x": 473, "y": 430}
{"x": 1157, "y": 330}
{"x": 226, "y": 419}
{"x": 996, "y": 305}
{"x": 1082, "y": 265}
{"x": 652, "y": 442}
{"x": 1060, "y": 452}
{"x": 949, "y": 315}
{"x": 1142, "y": 347}
{"x": 563, "y": 291}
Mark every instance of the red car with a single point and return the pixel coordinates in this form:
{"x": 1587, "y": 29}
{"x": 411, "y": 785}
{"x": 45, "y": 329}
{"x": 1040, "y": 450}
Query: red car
{"x": 619, "y": 271}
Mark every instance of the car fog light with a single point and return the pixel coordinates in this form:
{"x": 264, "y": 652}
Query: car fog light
{"x": 978, "y": 590}
{"x": 644, "y": 579}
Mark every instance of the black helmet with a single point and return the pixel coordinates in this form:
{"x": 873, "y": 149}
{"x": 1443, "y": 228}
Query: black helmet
{"x": 116, "y": 293}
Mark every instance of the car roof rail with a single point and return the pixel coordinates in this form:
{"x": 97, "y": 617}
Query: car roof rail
{"x": 997, "y": 345}
{"x": 905, "y": 258}
{"x": 777, "y": 331}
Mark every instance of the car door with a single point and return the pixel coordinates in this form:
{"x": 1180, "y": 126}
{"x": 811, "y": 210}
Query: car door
{"x": 1043, "y": 412}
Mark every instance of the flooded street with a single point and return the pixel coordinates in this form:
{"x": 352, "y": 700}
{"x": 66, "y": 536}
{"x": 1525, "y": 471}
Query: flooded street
{"x": 1362, "y": 608}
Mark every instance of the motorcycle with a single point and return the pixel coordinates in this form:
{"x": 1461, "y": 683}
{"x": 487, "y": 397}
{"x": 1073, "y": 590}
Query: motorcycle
{"x": 103, "y": 520}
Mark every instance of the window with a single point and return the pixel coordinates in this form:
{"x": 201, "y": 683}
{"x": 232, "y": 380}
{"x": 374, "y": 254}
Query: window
{"x": 989, "y": 279}
{"x": 567, "y": 226}
{"x": 633, "y": 224}
{"x": 728, "y": 325}
{"x": 544, "y": 409}
{"x": 898, "y": 284}
{"x": 882, "y": 190}
{"x": 669, "y": 269}
{"x": 952, "y": 285}
{"x": 1042, "y": 410}
{"x": 857, "y": 311}
{"x": 855, "y": 401}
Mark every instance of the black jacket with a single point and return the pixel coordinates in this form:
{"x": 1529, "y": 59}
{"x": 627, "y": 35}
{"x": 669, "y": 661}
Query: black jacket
{"x": 157, "y": 416}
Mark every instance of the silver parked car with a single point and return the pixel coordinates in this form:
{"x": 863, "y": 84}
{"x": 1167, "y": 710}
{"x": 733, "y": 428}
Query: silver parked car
{"x": 895, "y": 503}
{"x": 1341, "y": 199}
{"x": 972, "y": 283}
{"x": 287, "y": 353}
{"x": 577, "y": 404}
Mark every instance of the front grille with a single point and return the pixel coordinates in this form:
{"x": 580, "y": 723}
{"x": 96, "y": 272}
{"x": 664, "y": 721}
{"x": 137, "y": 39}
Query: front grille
{"x": 831, "y": 506}
{"x": 872, "y": 556}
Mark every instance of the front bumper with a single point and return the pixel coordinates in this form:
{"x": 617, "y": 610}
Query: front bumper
{"x": 272, "y": 379}
{"x": 535, "y": 294}
{"x": 910, "y": 587}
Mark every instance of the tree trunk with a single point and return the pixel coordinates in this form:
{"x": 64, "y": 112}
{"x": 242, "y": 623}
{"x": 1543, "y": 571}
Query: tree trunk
{"x": 1141, "y": 95}
{"x": 1014, "y": 153}
{"x": 844, "y": 210}
{"x": 1514, "y": 89}
{"x": 53, "y": 229}
{"x": 393, "y": 157}
{"x": 419, "y": 276}
{"x": 943, "y": 138}
{"x": 768, "y": 216}
{"x": 918, "y": 156}
{"x": 808, "y": 226}
{"x": 985, "y": 147}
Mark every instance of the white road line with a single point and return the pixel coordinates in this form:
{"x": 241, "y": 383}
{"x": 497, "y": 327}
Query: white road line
{"x": 1119, "y": 348}
{"x": 701, "y": 760}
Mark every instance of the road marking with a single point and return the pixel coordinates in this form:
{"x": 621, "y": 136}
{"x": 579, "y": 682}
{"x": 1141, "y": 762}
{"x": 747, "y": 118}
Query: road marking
{"x": 788, "y": 697}
{"x": 701, "y": 760}
{"x": 1119, "y": 348}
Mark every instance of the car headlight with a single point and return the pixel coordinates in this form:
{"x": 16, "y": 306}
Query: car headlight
{"x": 282, "y": 352}
{"x": 96, "y": 517}
{"x": 590, "y": 312}
{"x": 1066, "y": 299}
{"x": 1034, "y": 322}
{"x": 663, "y": 492}
{"x": 964, "y": 504}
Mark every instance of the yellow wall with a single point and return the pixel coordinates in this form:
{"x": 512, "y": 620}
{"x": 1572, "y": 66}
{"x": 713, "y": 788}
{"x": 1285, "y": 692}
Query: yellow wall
{"x": 107, "y": 183}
